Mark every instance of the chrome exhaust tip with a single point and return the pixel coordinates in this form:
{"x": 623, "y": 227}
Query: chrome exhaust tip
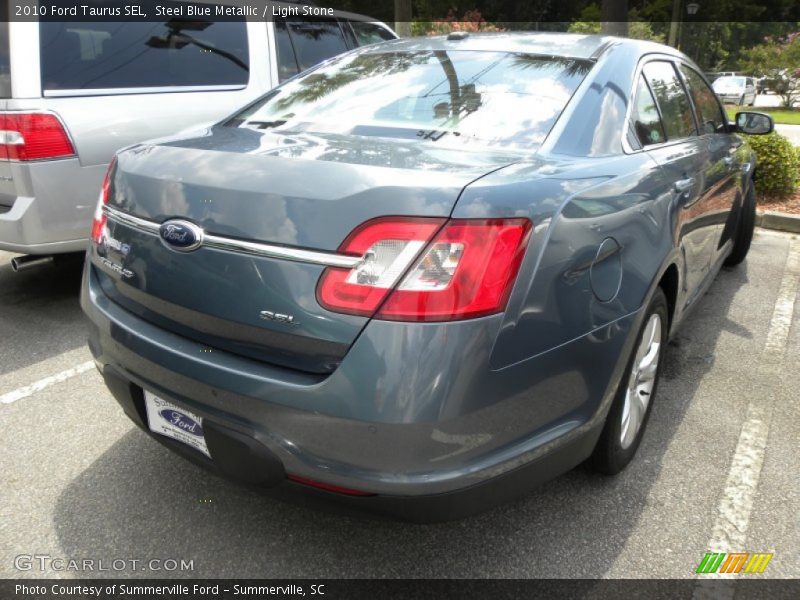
{"x": 19, "y": 263}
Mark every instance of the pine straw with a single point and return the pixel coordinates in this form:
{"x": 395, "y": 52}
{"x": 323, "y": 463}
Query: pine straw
{"x": 787, "y": 204}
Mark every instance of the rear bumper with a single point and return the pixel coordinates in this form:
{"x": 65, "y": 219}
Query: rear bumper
{"x": 435, "y": 429}
{"x": 244, "y": 458}
{"x": 48, "y": 205}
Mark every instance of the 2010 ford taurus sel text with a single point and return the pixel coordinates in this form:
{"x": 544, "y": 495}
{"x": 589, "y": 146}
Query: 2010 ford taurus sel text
{"x": 426, "y": 275}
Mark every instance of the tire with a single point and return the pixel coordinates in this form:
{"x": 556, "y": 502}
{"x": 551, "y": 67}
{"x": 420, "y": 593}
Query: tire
{"x": 618, "y": 443}
{"x": 745, "y": 228}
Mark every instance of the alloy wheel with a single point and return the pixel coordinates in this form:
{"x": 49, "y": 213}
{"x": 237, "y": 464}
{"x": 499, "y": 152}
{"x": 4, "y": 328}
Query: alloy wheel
{"x": 642, "y": 381}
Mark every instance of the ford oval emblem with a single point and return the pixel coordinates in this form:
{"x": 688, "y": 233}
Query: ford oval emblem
{"x": 180, "y": 235}
{"x": 182, "y": 421}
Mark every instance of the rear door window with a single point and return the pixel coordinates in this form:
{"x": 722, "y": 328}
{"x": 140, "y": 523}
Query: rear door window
{"x": 370, "y": 33}
{"x": 673, "y": 103}
{"x": 315, "y": 41}
{"x": 5, "y": 60}
{"x": 287, "y": 61}
{"x": 349, "y": 34}
{"x": 175, "y": 53}
{"x": 646, "y": 120}
{"x": 705, "y": 101}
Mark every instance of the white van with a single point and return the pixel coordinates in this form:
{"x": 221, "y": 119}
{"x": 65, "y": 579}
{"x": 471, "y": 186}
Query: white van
{"x": 71, "y": 94}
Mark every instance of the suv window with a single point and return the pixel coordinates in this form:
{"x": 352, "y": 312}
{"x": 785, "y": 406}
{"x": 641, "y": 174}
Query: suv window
{"x": 676, "y": 112}
{"x": 705, "y": 101}
{"x": 646, "y": 120}
{"x": 370, "y": 33}
{"x": 143, "y": 55}
{"x": 287, "y": 62}
{"x": 5, "y": 62}
{"x": 310, "y": 43}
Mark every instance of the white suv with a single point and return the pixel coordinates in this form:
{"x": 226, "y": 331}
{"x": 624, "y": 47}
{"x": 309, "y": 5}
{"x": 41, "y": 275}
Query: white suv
{"x": 71, "y": 94}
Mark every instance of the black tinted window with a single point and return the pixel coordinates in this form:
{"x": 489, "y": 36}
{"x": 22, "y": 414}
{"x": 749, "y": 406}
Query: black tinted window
{"x": 705, "y": 102}
{"x": 5, "y": 65}
{"x": 370, "y": 33}
{"x": 676, "y": 112}
{"x": 646, "y": 121}
{"x": 315, "y": 41}
{"x": 135, "y": 55}
{"x": 287, "y": 63}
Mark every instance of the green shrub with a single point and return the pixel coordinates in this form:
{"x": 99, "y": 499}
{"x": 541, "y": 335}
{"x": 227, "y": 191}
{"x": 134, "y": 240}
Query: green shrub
{"x": 777, "y": 164}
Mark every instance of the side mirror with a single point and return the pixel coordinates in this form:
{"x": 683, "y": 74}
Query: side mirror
{"x": 754, "y": 123}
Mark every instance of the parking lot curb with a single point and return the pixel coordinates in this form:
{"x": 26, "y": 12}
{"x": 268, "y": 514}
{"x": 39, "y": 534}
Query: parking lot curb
{"x": 778, "y": 221}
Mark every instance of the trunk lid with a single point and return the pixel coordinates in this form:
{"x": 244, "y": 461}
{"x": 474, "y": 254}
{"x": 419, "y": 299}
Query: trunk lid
{"x": 300, "y": 192}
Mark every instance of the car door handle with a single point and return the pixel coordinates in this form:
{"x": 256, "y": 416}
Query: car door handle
{"x": 683, "y": 186}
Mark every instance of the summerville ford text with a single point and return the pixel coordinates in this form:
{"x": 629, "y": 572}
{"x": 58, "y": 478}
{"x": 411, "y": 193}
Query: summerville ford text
{"x": 168, "y": 590}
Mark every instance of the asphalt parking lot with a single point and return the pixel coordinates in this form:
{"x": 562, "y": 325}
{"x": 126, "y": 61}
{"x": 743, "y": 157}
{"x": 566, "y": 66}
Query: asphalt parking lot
{"x": 717, "y": 470}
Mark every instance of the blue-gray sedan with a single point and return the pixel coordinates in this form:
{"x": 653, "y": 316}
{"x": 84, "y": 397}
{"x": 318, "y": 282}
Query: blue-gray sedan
{"x": 427, "y": 274}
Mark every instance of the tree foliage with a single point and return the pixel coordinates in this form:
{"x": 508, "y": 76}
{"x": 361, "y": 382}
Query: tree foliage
{"x": 715, "y": 37}
{"x": 589, "y": 22}
{"x": 777, "y": 59}
{"x": 471, "y": 21}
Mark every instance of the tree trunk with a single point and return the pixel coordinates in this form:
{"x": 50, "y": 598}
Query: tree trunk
{"x": 452, "y": 80}
{"x": 402, "y": 17}
{"x": 674, "y": 24}
{"x": 614, "y": 17}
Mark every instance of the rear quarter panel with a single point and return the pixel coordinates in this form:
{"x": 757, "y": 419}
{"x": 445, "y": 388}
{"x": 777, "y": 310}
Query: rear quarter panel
{"x": 626, "y": 199}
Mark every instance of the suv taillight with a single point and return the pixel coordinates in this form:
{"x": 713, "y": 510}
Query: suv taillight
{"x": 100, "y": 219}
{"x": 467, "y": 269}
{"x": 33, "y": 136}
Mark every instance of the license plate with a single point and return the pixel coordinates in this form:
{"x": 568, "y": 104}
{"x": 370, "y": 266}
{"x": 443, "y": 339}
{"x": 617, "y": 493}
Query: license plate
{"x": 175, "y": 422}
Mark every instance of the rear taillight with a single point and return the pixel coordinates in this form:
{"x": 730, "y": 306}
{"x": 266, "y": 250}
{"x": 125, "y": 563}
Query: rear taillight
{"x": 466, "y": 271}
{"x": 33, "y": 136}
{"x": 100, "y": 219}
{"x": 388, "y": 246}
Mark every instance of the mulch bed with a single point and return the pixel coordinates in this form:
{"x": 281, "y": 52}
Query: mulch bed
{"x": 788, "y": 204}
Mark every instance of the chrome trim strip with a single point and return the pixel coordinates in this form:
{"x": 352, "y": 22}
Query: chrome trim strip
{"x": 328, "y": 259}
{"x": 174, "y": 89}
{"x": 128, "y": 219}
{"x": 297, "y": 254}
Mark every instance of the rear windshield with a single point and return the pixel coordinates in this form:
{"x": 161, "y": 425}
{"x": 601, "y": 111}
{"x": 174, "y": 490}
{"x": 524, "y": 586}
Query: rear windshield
{"x": 730, "y": 82}
{"x": 448, "y": 97}
{"x": 143, "y": 55}
{"x": 5, "y": 64}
